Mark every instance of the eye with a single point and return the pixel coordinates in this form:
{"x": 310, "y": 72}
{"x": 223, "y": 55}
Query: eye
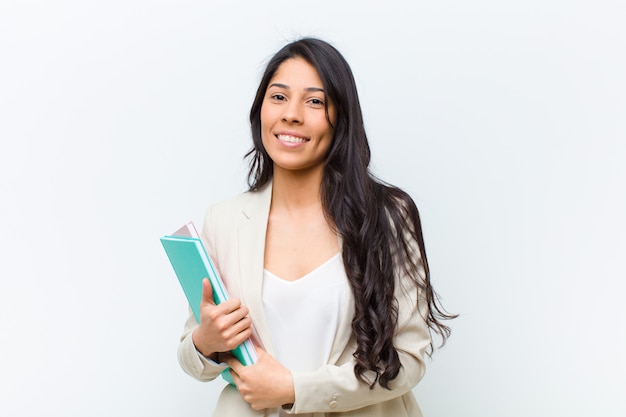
{"x": 316, "y": 102}
{"x": 278, "y": 97}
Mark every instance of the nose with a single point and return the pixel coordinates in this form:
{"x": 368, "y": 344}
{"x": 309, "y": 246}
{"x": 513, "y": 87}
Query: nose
{"x": 293, "y": 112}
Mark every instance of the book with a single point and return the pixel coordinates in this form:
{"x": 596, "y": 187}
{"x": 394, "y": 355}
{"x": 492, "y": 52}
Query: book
{"x": 192, "y": 264}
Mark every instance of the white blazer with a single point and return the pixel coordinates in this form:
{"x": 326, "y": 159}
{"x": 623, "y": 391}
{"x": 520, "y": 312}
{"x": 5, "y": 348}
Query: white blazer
{"x": 234, "y": 234}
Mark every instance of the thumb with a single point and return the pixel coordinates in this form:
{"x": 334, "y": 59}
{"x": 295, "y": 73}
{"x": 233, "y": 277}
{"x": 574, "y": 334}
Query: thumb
{"x": 207, "y": 292}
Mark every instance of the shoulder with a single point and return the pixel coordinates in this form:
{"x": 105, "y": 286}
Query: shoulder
{"x": 228, "y": 206}
{"x": 396, "y": 206}
{"x": 243, "y": 206}
{"x": 405, "y": 230}
{"x": 222, "y": 220}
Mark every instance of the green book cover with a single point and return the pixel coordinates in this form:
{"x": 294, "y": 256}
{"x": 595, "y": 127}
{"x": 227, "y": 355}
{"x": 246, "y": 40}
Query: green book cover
{"x": 192, "y": 264}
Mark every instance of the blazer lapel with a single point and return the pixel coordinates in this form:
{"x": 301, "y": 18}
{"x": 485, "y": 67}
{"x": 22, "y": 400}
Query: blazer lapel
{"x": 251, "y": 243}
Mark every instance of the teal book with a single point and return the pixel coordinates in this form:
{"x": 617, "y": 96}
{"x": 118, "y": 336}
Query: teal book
{"x": 192, "y": 264}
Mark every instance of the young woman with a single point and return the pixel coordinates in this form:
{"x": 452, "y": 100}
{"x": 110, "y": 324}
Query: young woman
{"x": 325, "y": 264}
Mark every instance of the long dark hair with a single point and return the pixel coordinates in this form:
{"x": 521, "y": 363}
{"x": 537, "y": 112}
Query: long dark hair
{"x": 379, "y": 223}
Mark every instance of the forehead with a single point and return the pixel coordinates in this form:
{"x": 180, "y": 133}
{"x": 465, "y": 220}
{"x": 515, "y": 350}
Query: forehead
{"x": 297, "y": 73}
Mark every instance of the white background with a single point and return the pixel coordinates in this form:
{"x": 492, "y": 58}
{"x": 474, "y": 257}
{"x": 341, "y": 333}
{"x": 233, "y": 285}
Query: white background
{"x": 506, "y": 121}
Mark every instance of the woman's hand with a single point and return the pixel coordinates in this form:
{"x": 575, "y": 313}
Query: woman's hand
{"x": 222, "y": 327}
{"x": 265, "y": 384}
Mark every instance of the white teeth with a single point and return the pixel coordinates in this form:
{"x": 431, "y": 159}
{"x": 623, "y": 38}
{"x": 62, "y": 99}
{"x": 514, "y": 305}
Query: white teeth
{"x": 291, "y": 139}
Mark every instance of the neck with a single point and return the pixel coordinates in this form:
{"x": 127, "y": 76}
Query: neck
{"x": 296, "y": 191}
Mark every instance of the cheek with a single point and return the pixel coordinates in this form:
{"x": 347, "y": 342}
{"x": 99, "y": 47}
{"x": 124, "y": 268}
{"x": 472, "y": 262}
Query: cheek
{"x": 328, "y": 130}
{"x": 264, "y": 124}
{"x": 266, "y": 117}
{"x": 330, "y": 122}
{"x": 266, "y": 134}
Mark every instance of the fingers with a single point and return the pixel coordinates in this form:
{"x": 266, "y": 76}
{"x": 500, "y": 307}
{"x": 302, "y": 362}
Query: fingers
{"x": 225, "y": 314}
{"x": 235, "y": 334}
{"x": 234, "y": 364}
{"x": 240, "y": 330}
{"x": 223, "y": 333}
{"x": 222, "y": 327}
{"x": 265, "y": 384}
{"x": 226, "y": 307}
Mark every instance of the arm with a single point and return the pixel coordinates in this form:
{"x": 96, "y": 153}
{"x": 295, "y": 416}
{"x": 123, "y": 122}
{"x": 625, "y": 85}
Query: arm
{"x": 336, "y": 388}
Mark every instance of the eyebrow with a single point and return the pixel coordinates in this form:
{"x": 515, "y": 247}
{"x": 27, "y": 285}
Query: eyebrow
{"x": 286, "y": 87}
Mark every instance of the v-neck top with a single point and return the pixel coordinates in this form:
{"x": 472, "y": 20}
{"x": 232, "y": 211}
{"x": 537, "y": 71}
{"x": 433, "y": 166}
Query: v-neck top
{"x": 303, "y": 315}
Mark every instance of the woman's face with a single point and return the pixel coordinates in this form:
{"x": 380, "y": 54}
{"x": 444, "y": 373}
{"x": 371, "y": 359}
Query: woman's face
{"x": 294, "y": 128}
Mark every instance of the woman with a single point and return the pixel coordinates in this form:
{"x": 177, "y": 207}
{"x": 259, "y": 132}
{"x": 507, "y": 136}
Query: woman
{"x": 324, "y": 263}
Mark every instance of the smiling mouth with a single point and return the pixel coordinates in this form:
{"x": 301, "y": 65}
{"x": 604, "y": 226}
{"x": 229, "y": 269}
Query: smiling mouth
{"x": 291, "y": 139}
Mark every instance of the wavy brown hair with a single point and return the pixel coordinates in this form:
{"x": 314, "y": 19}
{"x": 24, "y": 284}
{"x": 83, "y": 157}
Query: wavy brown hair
{"x": 379, "y": 223}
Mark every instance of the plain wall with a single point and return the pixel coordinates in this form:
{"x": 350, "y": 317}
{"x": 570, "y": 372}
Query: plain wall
{"x": 122, "y": 120}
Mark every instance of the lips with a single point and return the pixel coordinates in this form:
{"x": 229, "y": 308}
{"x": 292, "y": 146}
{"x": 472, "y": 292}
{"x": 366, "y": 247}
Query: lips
{"x": 291, "y": 138}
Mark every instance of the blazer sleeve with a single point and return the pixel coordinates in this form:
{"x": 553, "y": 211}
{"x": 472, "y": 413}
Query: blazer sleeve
{"x": 336, "y": 388}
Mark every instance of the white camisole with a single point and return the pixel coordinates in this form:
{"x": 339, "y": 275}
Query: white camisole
{"x": 303, "y": 315}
